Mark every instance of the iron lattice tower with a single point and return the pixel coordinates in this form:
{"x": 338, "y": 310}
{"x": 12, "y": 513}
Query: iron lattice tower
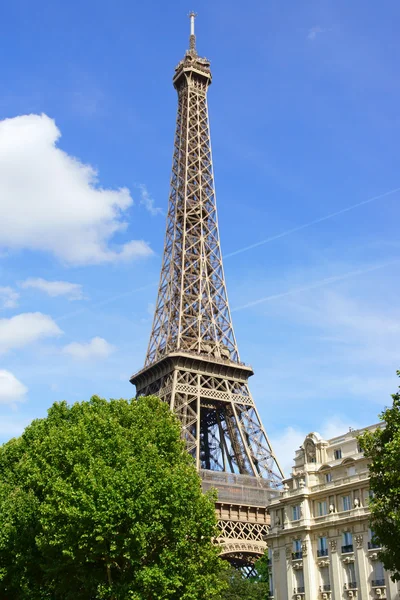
{"x": 192, "y": 360}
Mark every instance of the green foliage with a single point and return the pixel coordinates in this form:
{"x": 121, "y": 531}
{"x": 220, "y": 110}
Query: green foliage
{"x": 383, "y": 448}
{"x": 252, "y": 588}
{"x": 100, "y": 500}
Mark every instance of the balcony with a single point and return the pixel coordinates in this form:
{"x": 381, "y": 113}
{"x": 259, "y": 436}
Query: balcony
{"x": 373, "y": 545}
{"x": 325, "y": 588}
{"x": 299, "y": 590}
{"x": 378, "y": 583}
{"x": 347, "y": 549}
{"x": 297, "y": 555}
{"x": 352, "y": 585}
{"x": 323, "y": 552}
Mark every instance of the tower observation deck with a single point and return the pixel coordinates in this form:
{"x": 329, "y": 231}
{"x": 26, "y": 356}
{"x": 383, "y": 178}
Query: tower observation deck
{"x": 192, "y": 361}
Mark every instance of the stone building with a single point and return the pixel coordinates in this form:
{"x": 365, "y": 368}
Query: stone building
{"x": 320, "y": 544}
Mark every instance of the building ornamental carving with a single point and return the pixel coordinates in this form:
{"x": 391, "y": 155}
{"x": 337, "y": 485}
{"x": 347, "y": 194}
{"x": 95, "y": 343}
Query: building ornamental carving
{"x": 359, "y": 541}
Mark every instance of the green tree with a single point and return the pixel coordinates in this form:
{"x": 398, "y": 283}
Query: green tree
{"x": 382, "y": 447}
{"x": 100, "y": 500}
{"x": 239, "y": 587}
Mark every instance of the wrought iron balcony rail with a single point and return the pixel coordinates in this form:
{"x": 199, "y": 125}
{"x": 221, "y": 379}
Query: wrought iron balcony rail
{"x": 351, "y": 585}
{"x": 297, "y": 555}
{"x": 323, "y": 552}
{"x": 325, "y": 588}
{"x": 378, "y": 582}
{"x": 372, "y": 545}
{"x": 348, "y": 548}
{"x": 299, "y": 590}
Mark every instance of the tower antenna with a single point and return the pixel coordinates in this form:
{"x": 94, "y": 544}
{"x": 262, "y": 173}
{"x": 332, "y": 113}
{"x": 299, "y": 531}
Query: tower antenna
{"x": 192, "y": 40}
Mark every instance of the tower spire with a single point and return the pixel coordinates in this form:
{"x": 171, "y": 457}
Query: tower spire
{"x": 192, "y": 39}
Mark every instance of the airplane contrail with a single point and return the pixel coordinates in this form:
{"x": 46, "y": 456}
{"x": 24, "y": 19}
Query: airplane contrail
{"x": 314, "y": 222}
{"x": 317, "y": 284}
{"x": 245, "y": 249}
{"x": 107, "y": 301}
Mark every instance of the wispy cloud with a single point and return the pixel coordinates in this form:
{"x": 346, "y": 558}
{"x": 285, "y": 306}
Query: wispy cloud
{"x": 12, "y": 425}
{"x": 73, "y": 291}
{"x": 147, "y": 201}
{"x": 97, "y": 348}
{"x": 314, "y": 31}
{"x": 8, "y": 297}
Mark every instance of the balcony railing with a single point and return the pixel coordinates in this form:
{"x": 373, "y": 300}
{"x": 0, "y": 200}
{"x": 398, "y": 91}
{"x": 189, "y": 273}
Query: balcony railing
{"x": 237, "y": 489}
{"x": 372, "y": 545}
{"x": 325, "y": 588}
{"x": 378, "y": 582}
{"x": 352, "y": 585}
{"x": 348, "y": 548}
{"x": 297, "y": 555}
{"x": 323, "y": 552}
{"x": 299, "y": 590}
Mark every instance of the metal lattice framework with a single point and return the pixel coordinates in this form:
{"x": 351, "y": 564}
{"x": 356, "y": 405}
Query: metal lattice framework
{"x": 192, "y": 360}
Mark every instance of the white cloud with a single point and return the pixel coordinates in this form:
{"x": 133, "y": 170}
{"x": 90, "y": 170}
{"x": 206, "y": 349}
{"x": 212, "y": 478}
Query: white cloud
{"x": 96, "y": 348}
{"x": 11, "y": 389}
{"x": 314, "y": 31}
{"x": 147, "y": 201}
{"x": 8, "y": 297}
{"x": 25, "y": 329}
{"x": 52, "y": 202}
{"x": 73, "y": 291}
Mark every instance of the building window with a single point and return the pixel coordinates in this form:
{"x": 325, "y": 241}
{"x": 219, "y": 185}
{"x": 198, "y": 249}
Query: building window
{"x": 296, "y": 512}
{"x": 338, "y": 454}
{"x": 378, "y": 575}
{"x": 346, "y": 502}
{"x": 347, "y": 542}
{"x": 328, "y": 477}
{"x": 351, "y": 576}
{"x": 322, "y": 508}
{"x": 325, "y": 581}
{"x": 371, "y": 543}
{"x": 297, "y": 545}
{"x": 299, "y": 582}
{"x": 297, "y": 551}
{"x": 322, "y": 547}
{"x": 359, "y": 449}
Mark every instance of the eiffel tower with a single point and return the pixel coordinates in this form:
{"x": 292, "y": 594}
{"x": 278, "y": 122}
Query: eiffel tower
{"x": 192, "y": 360}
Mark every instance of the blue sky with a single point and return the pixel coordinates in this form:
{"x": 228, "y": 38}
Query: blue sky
{"x": 305, "y": 124}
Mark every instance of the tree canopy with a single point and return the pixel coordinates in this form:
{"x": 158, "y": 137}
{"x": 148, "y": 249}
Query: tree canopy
{"x": 100, "y": 500}
{"x": 382, "y": 446}
{"x": 251, "y": 588}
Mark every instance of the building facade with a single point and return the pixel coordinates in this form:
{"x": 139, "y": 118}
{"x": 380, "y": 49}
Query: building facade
{"x": 320, "y": 543}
